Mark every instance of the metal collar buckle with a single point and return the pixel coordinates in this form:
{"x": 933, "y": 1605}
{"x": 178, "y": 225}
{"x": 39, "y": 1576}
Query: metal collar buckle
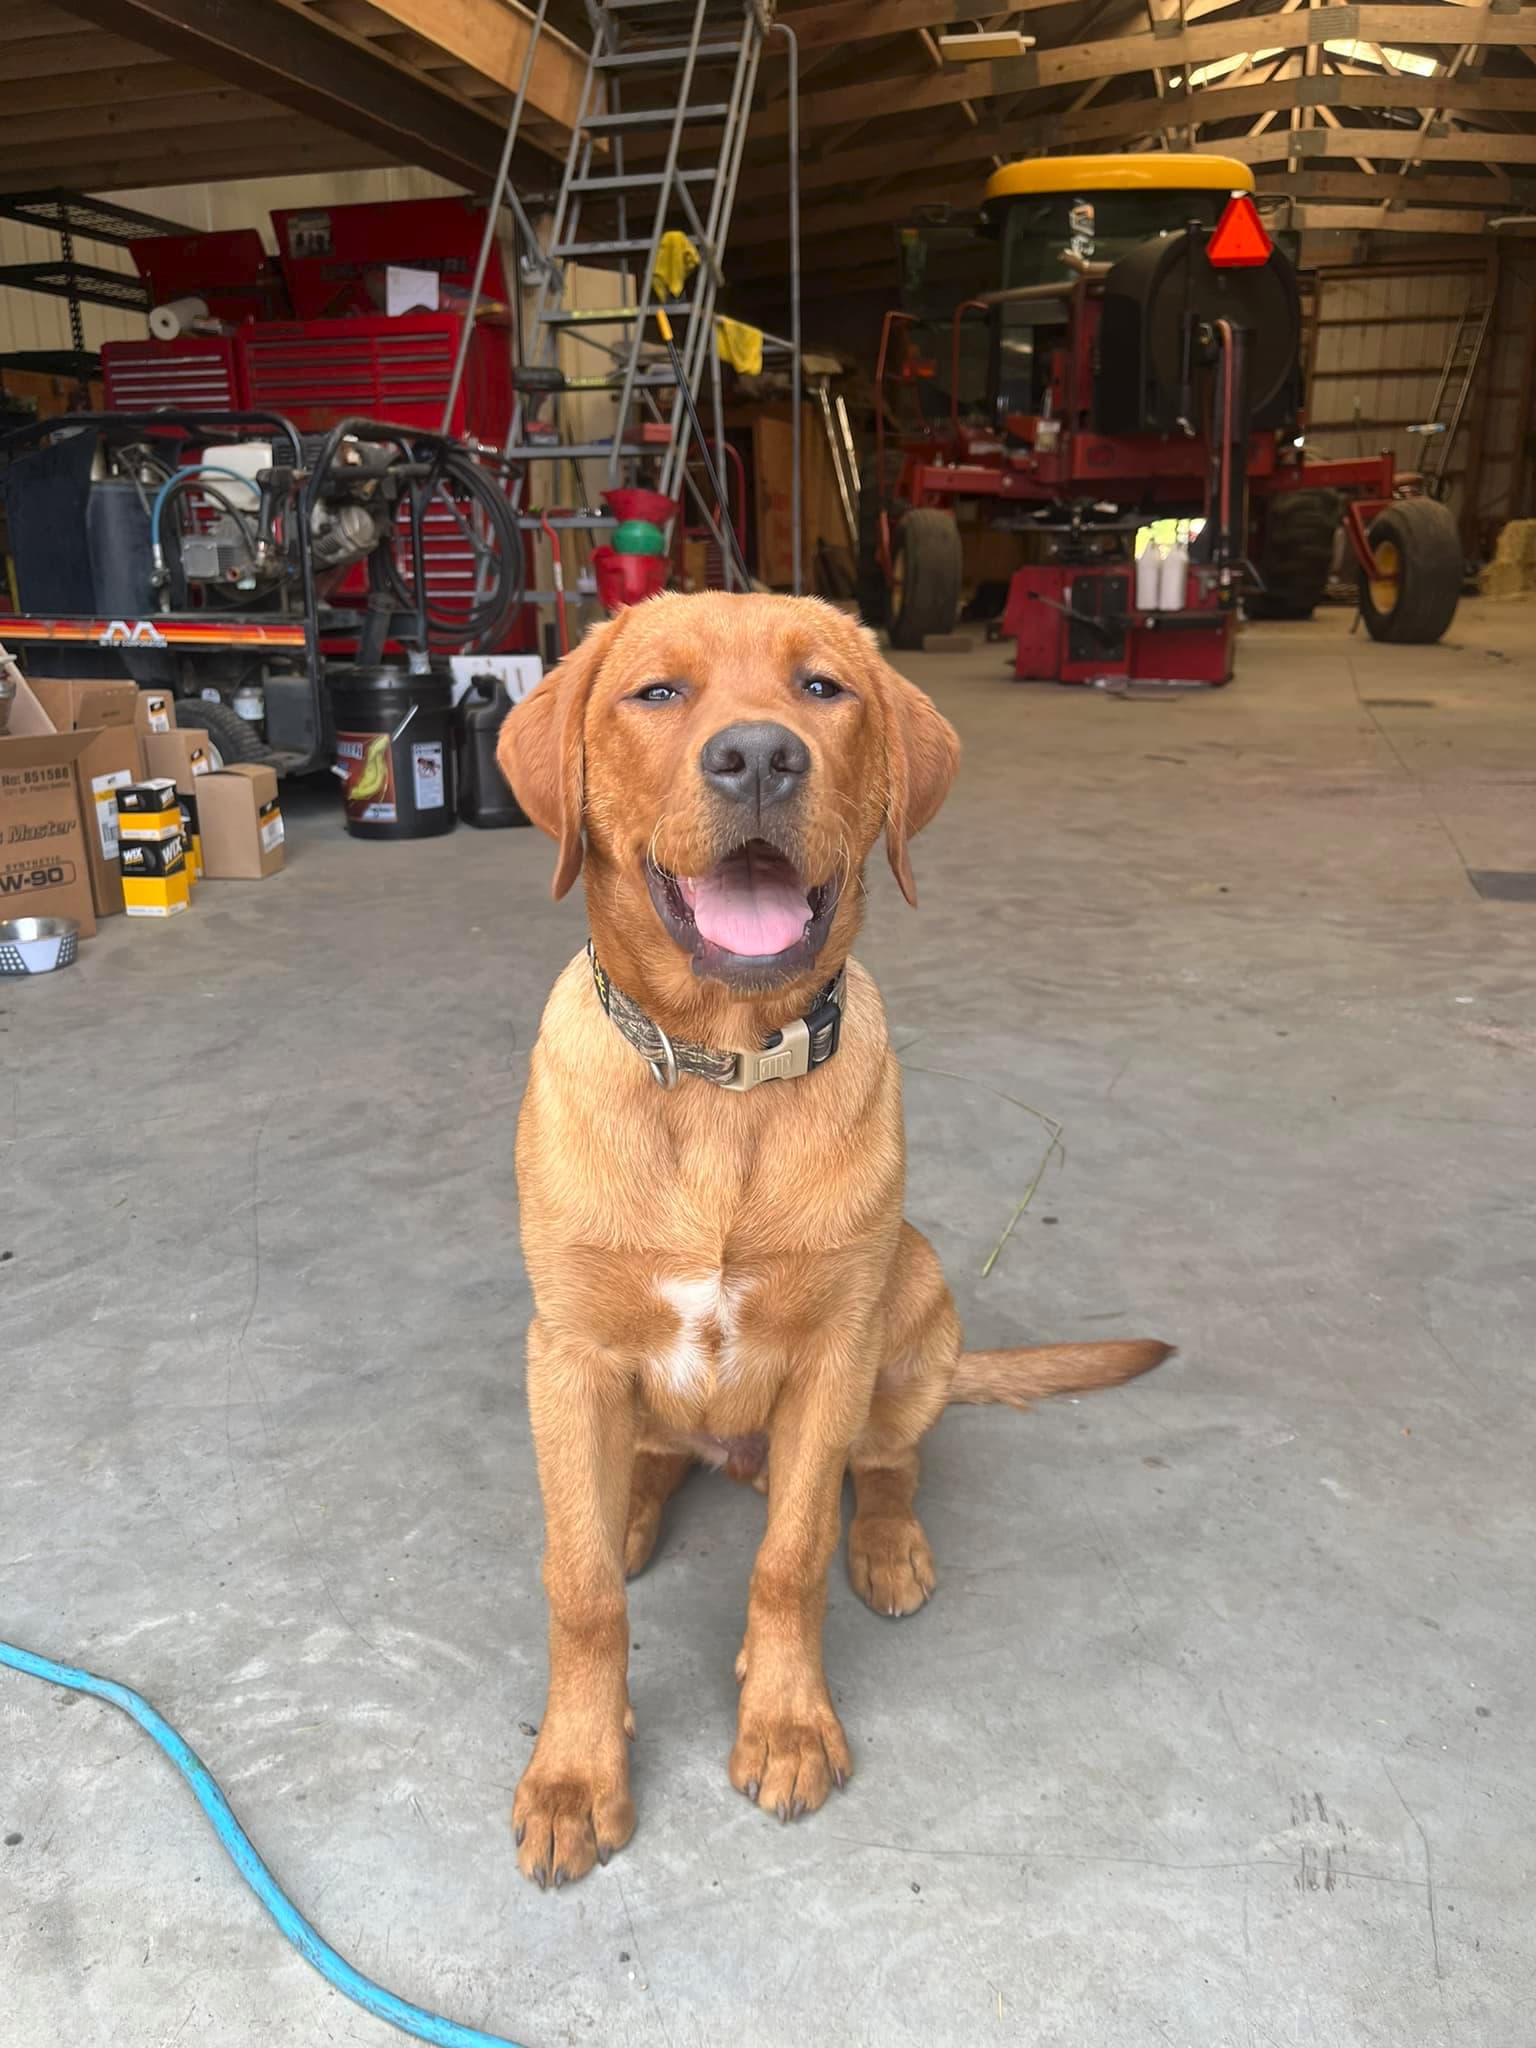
{"x": 803, "y": 1044}
{"x": 781, "y": 1062}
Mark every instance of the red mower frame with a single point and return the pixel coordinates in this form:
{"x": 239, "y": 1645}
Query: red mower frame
{"x": 938, "y": 469}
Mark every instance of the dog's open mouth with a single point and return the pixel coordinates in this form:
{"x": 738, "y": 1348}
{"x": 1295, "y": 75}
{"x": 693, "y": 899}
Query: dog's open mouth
{"x": 752, "y": 918}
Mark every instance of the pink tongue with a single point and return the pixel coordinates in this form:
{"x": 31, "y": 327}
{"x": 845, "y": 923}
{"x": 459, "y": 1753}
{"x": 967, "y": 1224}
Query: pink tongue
{"x": 753, "y": 903}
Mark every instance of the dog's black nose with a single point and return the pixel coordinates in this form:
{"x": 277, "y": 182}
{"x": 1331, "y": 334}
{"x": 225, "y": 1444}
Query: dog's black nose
{"x": 757, "y": 764}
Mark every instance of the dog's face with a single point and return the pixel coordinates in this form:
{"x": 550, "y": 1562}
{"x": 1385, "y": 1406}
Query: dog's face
{"x": 730, "y": 762}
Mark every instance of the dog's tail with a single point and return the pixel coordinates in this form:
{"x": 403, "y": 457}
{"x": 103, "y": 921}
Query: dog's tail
{"x": 1020, "y": 1378}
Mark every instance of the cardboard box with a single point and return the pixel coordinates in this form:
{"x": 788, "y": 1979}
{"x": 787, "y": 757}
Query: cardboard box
{"x": 241, "y": 823}
{"x": 45, "y": 867}
{"x": 155, "y": 878}
{"x": 73, "y": 705}
{"x": 183, "y": 755}
{"x": 110, "y": 763}
{"x": 113, "y": 760}
{"x": 150, "y": 809}
{"x": 154, "y": 711}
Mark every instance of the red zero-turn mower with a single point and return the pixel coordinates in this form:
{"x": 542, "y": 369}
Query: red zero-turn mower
{"x": 1139, "y": 362}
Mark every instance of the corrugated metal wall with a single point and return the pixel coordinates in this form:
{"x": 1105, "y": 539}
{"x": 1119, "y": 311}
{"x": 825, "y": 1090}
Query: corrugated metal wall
{"x": 1378, "y": 341}
{"x": 1378, "y": 346}
{"x": 1504, "y": 489}
{"x": 30, "y": 321}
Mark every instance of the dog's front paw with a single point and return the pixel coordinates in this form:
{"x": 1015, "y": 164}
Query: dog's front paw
{"x": 789, "y": 1758}
{"x": 889, "y": 1563}
{"x": 569, "y": 1815}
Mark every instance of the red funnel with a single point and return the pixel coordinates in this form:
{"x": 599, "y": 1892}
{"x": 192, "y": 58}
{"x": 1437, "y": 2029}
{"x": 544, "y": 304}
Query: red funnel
{"x": 628, "y": 579}
{"x": 631, "y": 502}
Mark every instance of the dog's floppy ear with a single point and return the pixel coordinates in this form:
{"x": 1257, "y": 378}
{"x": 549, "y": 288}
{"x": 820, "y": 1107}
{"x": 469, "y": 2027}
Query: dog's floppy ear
{"x": 540, "y": 750}
{"x": 922, "y": 753}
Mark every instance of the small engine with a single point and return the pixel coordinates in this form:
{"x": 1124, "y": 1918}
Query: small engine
{"x": 229, "y": 522}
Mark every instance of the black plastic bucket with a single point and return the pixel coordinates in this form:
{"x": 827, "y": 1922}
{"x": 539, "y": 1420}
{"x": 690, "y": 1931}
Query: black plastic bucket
{"x": 395, "y": 747}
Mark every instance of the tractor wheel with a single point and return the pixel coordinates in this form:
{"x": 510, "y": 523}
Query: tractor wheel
{"x": 1295, "y": 554}
{"x": 928, "y": 568}
{"x": 876, "y": 495}
{"x": 1418, "y": 551}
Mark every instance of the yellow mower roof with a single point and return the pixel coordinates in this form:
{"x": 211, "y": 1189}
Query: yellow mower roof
{"x": 1163, "y": 172}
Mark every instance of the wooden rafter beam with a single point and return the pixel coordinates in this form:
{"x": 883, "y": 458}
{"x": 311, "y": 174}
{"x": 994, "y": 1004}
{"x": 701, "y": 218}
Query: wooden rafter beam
{"x": 1418, "y": 191}
{"x": 278, "y": 49}
{"x": 1125, "y": 56}
{"x": 1400, "y": 220}
{"x": 156, "y": 83}
{"x": 242, "y": 152}
{"x": 1401, "y": 145}
{"x": 100, "y": 130}
{"x": 1218, "y": 103}
{"x": 887, "y": 209}
{"x": 1090, "y": 125}
{"x": 55, "y": 56}
{"x": 865, "y": 165}
{"x": 245, "y": 121}
{"x": 828, "y": 25}
{"x": 492, "y": 37}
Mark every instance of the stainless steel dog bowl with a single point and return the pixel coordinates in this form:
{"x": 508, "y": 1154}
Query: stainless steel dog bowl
{"x": 36, "y": 945}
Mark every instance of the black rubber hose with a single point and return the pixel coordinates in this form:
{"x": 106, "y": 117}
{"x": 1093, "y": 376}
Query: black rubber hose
{"x": 478, "y": 630}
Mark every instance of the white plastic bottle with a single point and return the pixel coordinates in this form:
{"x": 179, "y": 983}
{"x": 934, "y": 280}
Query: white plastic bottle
{"x": 1149, "y": 577}
{"x": 1173, "y": 578}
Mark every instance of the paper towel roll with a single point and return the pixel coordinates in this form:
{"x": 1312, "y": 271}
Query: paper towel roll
{"x": 177, "y": 316}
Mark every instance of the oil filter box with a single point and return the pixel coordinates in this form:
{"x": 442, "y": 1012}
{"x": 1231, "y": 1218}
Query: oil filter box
{"x": 183, "y": 756}
{"x": 148, "y": 809}
{"x": 152, "y": 849}
{"x": 155, "y": 879}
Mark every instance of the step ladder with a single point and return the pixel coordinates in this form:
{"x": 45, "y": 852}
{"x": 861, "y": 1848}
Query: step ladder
{"x": 1451, "y": 396}
{"x": 661, "y": 76}
{"x": 839, "y": 437}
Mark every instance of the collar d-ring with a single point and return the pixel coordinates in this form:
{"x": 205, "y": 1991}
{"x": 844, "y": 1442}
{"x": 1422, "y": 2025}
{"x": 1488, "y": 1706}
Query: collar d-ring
{"x": 664, "y": 1069}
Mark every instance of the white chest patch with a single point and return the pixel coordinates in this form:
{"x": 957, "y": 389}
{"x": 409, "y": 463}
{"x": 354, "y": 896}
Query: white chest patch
{"x": 706, "y": 1308}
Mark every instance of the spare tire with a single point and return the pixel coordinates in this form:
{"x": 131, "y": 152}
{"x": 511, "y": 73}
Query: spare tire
{"x": 1417, "y": 546}
{"x": 1295, "y": 553}
{"x": 227, "y": 729}
{"x": 929, "y": 568}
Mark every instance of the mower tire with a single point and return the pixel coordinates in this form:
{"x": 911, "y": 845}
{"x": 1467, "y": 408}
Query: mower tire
{"x": 227, "y": 729}
{"x": 1417, "y": 540}
{"x": 1295, "y": 554}
{"x": 929, "y": 569}
{"x": 876, "y": 495}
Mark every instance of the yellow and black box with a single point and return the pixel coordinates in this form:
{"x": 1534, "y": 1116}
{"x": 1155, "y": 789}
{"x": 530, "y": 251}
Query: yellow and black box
{"x": 155, "y": 878}
{"x": 149, "y": 810}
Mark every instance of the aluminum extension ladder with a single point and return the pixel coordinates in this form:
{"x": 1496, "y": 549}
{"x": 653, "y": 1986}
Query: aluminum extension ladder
{"x": 1451, "y": 395}
{"x": 693, "y": 65}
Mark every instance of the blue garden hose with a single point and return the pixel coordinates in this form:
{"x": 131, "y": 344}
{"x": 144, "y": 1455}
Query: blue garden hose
{"x": 410, "y": 2019}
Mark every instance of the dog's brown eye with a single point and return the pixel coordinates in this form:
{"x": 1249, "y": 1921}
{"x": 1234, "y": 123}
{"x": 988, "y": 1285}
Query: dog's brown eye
{"x": 821, "y": 686}
{"x": 657, "y": 693}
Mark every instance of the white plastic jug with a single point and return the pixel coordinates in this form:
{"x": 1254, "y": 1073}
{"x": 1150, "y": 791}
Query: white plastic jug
{"x": 1173, "y": 577}
{"x": 1149, "y": 572}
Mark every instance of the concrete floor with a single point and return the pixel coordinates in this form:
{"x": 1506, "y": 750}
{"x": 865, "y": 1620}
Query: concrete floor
{"x": 1218, "y": 1732}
